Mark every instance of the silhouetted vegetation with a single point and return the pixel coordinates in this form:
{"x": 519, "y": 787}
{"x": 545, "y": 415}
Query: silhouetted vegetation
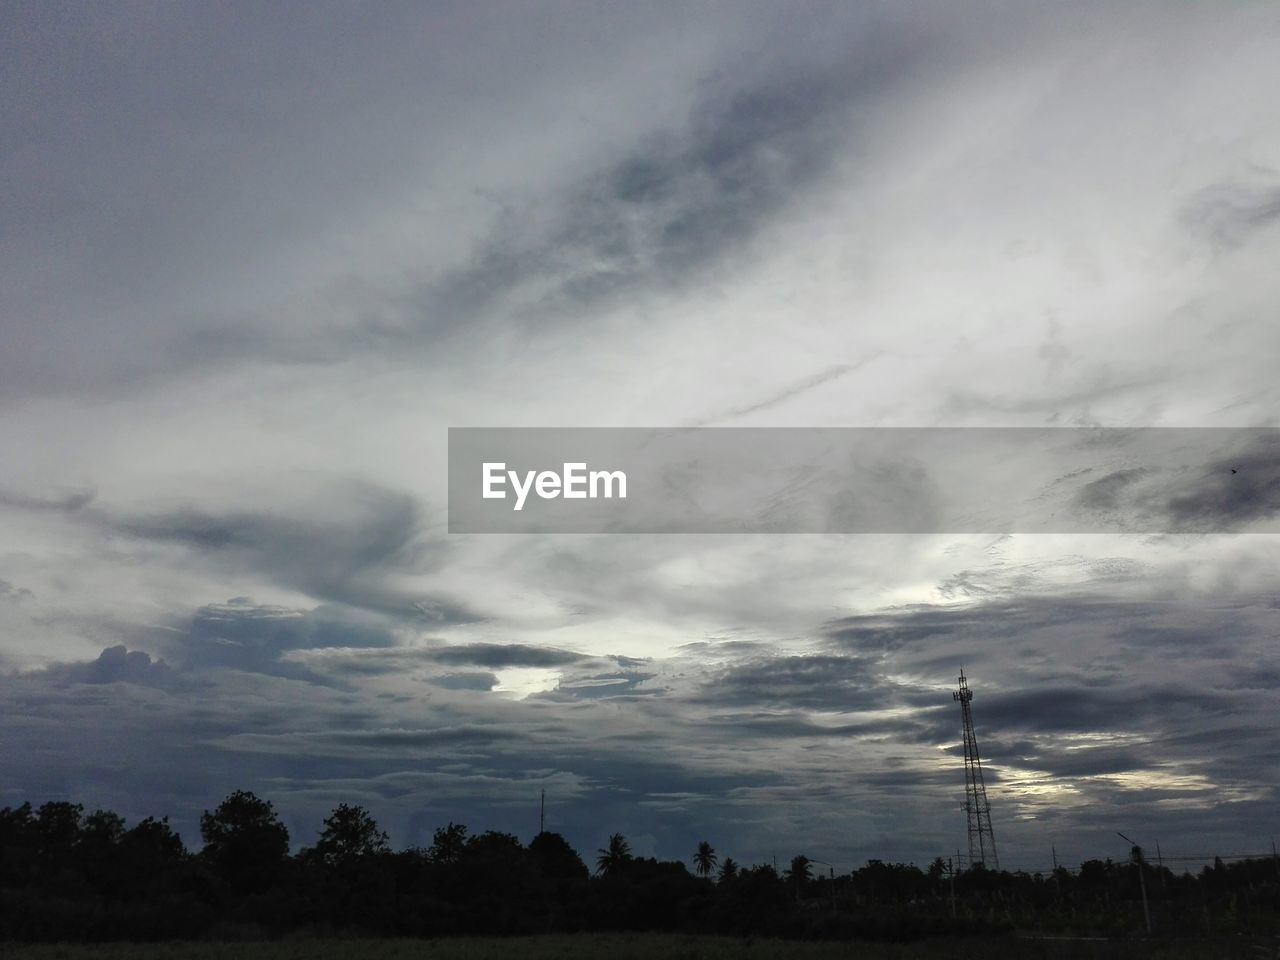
{"x": 66, "y": 875}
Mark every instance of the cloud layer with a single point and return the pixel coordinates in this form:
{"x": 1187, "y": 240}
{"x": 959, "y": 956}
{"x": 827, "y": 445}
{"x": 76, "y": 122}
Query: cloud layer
{"x": 258, "y": 261}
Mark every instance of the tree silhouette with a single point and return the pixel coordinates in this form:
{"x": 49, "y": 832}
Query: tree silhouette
{"x": 57, "y": 826}
{"x": 98, "y": 845}
{"x": 609, "y": 859}
{"x": 244, "y": 840}
{"x": 147, "y": 850}
{"x": 493, "y": 862}
{"x": 70, "y": 876}
{"x": 350, "y": 832}
{"x": 447, "y": 843}
{"x": 798, "y": 873}
{"x": 154, "y": 839}
{"x": 555, "y": 858}
{"x": 102, "y": 829}
{"x": 705, "y": 860}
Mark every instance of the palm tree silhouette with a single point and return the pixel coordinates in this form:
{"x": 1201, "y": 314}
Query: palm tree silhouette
{"x": 705, "y": 860}
{"x": 798, "y": 875}
{"x": 615, "y": 855}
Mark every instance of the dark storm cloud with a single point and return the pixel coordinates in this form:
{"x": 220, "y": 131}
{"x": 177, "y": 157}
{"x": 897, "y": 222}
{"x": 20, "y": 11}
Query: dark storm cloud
{"x": 724, "y": 746}
{"x": 241, "y": 635}
{"x": 1258, "y": 677}
{"x": 499, "y": 655}
{"x": 362, "y": 743}
{"x": 345, "y": 552}
{"x": 67, "y": 502}
{"x": 371, "y": 661}
{"x": 137, "y": 740}
{"x": 921, "y": 726}
{"x": 14, "y": 594}
{"x": 1233, "y": 491}
{"x": 382, "y": 528}
{"x": 905, "y": 627}
{"x": 1104, "y": 493}
{"x": 647, "y": 222}
{"x": 678, "y": 202}
{"x": 820, "y": 682}
{"x": 1083, "y": 709}
{"x": 377, "y": 657}
{"x": 465, "y": 681}
{"x": 181, "y": 182}
{"x": 1106, "y": 689}
{"x": 1000, "y": 619}
{"x": 117, "y": 665}
{"x": 1228, "y": 215}
{"x": 156, "y": 154}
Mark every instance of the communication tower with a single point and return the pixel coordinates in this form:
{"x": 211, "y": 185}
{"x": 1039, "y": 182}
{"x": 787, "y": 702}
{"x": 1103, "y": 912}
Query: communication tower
{"x": 982, "y": 841}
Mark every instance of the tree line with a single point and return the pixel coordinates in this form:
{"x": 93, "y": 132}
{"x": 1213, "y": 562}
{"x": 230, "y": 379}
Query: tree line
{"x": 67, "y": 875}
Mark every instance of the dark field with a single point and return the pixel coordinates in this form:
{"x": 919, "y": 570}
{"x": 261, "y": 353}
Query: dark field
{"x": 626, "y": 947}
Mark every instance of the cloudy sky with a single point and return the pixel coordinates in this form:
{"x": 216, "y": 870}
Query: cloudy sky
{"x": 258, "y": 258}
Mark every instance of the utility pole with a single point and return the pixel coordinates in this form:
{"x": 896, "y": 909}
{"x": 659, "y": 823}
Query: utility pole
{"x": 542, "y": 813}
{"x": 951, "y": 873}
{"x": 1136, "y": 855}
{"x": 982, "y": 840}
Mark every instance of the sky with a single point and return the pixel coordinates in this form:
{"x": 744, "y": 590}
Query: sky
{"x": 255, "y": 260}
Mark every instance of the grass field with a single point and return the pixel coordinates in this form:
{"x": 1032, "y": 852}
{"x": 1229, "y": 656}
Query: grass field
{"x": 638, "y": 947}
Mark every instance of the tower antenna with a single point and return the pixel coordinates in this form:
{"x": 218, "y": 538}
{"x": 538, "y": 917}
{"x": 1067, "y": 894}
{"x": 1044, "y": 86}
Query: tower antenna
{"x": 982, "y": 841}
